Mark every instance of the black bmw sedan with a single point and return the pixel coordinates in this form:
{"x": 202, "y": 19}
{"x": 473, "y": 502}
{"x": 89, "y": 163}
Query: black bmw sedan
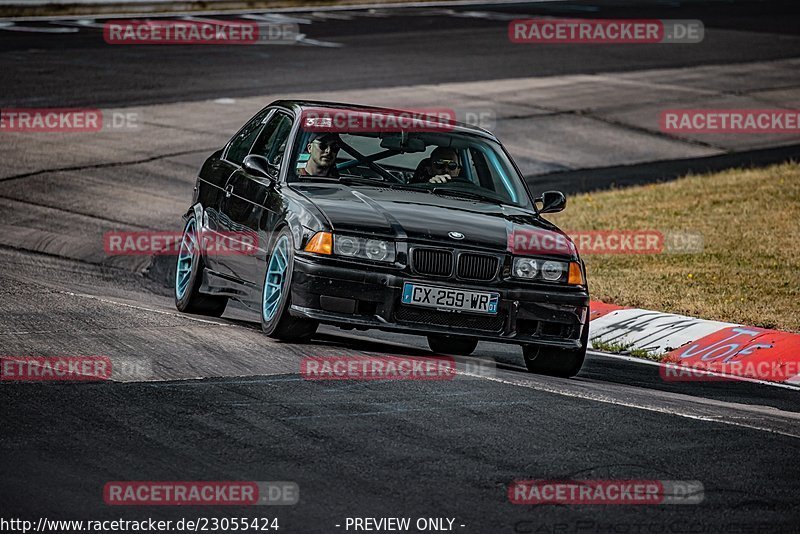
{"x": 374, "y": 218}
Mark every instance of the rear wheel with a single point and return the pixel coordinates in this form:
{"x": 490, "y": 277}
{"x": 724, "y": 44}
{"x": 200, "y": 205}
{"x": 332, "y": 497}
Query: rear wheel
{"x": 189, "y": 277}
{"x": 443, "y": 344}
{"x": 276, "y": 297}
{"x": 556, "y": 362}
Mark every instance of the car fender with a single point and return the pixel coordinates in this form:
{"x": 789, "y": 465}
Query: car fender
{"x": 197, "y": 211}
{"x": 304, "y": 220}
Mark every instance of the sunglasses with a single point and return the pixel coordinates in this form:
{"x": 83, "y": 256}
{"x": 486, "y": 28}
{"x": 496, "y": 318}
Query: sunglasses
{"x": 448, "y": 164}
{"x": 323, "y": 145}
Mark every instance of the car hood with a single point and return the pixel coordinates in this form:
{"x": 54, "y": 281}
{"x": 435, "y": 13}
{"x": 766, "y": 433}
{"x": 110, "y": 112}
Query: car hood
{"x": 426, "y": 218}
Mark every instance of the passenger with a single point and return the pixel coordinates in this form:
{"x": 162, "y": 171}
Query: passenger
{"x": 441, "y": 167}
{"x": 322, "y": 149}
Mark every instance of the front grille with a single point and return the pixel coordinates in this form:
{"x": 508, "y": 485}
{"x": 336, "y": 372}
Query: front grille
{"x": 432, "y": 261}
{"x": 477, "y": 267}
{"x": 488, "y": 323}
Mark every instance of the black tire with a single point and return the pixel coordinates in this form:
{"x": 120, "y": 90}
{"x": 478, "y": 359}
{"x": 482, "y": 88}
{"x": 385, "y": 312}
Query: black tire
{"x": 192, "y": 301}
{"x": 556, "y": 362}
{"x": 282, "y": 325}
{"x": 443, "y": 344}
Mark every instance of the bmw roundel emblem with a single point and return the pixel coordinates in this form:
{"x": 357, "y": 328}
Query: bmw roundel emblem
{"x": 456, "y": 235}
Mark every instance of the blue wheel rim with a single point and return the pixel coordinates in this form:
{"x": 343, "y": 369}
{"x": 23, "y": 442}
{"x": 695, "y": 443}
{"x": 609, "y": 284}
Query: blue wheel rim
{"x": 186, "y": 259}
{"x": 275, "y": 279}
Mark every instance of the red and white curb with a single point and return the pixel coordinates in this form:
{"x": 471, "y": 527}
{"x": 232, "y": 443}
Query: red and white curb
{"x": 698, "y": 344}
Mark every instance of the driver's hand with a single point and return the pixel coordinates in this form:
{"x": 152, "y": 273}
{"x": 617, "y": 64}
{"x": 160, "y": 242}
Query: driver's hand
{"x": 440, "y": 179}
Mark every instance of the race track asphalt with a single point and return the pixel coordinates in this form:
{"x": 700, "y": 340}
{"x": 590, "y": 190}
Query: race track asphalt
{"x": 214, "y": 399}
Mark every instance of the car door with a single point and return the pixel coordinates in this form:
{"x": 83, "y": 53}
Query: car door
{"x": 215, "y": 176}
{"x": 252, "y": 204}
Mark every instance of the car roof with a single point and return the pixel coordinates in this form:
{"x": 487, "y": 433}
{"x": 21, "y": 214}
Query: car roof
{"x": 455, "y": 126}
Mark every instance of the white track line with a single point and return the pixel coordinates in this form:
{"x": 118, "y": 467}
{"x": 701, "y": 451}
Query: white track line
{"x": 81, "y": 23}
{"x": 279, "y": 19}
{"x": 579, "y": 395}
{"x": 696, "y": 370}
{"x": 142, "y": 308}
{"x": 11, "y": 27}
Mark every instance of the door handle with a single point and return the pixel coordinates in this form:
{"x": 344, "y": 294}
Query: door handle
{"x": 228, "y": 190}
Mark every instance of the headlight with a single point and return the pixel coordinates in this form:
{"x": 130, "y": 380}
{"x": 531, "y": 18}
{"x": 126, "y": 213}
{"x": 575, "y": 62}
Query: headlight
{"x": 553, "y": 271}
{"x": 548, "y": 271}
{"x": 525, "y": 267}
{"x": 367, "y": 249}
{"x": 345, "y": 245}
{"x": 377, "y": 250}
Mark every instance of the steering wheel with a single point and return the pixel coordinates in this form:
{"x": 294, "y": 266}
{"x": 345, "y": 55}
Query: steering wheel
{"x": 457, "y": 179}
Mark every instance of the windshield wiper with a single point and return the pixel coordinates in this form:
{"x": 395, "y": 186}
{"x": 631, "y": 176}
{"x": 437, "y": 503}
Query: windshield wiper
{"x": 350, "y": 180}
{"x": 465, "y": 194}
{"x": 359, "y": 180}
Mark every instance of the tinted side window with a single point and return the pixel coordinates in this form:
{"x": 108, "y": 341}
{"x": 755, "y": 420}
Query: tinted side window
{"x": 272, "y": 142}
{"x": 240, "y": 145}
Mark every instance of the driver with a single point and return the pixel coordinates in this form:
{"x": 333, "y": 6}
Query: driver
{"x": 322, "y": 149}
{"x": 442, "y": 166}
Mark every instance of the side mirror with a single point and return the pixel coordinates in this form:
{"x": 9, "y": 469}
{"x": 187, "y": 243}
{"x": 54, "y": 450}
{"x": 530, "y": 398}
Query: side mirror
{"x": 260, "y": 166}
{"x": 552, "y": 202}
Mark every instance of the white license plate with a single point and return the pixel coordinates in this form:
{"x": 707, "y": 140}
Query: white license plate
{"x": 450, "y": 299}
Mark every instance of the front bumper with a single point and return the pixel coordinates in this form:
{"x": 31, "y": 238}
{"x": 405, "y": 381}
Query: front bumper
{"x": 354, "y": 297}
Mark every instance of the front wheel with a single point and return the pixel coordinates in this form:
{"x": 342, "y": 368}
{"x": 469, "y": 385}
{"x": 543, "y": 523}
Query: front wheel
{"x": 189, "y": 277}
{"x": 443, "y": 344}
{"x": 556, "y": 362}
{"x": 553, "y": 362}
{"x": 276, "y": 296}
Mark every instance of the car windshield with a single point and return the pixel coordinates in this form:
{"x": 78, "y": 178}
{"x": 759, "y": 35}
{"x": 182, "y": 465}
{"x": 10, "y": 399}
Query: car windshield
{"x": 445, "y": 163}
